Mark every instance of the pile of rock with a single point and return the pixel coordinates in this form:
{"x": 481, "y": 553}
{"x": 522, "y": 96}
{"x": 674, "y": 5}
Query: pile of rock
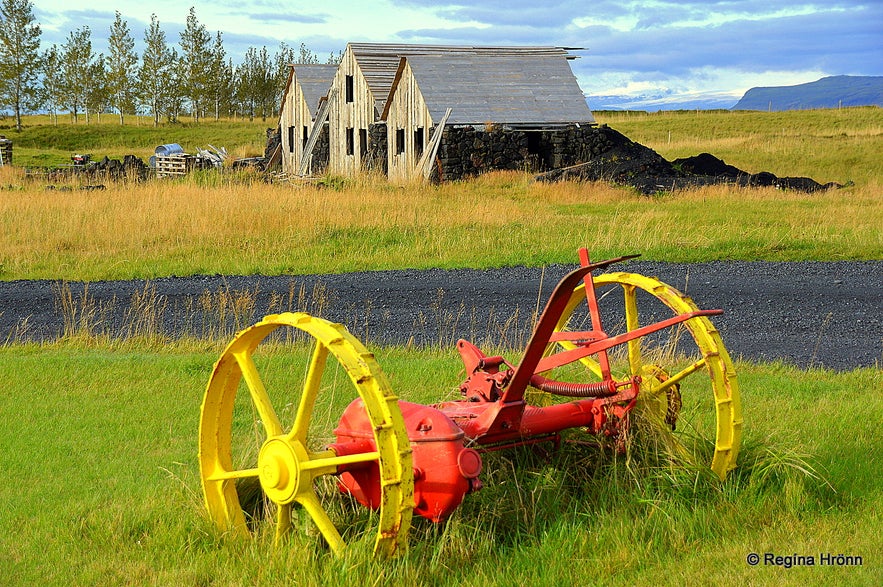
{"x": 625, "y": 162}
{"x": 131, "y": 167}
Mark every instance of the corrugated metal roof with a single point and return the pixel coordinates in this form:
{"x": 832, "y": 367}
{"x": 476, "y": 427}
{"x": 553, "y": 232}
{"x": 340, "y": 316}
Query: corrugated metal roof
{"x": 379, "y": 61}
{"x": 525, "y": 90}
{"x": 315, "y": 81}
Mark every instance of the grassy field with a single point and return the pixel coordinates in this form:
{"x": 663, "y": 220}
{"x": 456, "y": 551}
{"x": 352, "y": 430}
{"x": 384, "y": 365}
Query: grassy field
{"x": 159, "y": 228}
{"x": 100, "y": 444}
{"x": 99, "y": 435}
{"x": 235, "y": 223}
{"x": 44, "y": 144}
{"x": 826, "y": 145}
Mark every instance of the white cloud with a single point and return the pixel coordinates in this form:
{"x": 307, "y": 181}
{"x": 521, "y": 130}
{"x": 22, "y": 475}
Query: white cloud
{"x": 657, "y": 46}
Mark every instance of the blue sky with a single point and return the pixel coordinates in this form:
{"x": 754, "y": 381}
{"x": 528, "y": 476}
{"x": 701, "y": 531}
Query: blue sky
{"x": 648, "y": 51}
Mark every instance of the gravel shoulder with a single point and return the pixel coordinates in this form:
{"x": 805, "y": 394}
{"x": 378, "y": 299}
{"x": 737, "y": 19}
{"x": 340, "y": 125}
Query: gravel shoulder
{"x": 810, "y": 314}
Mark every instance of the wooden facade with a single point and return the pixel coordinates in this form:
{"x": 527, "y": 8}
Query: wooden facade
{"x": 408, "y": 122}
{"x": 350, "y": 113}
{"x": 483, "y": 89}
{"x": 307, "y": 86}
{"x": 412, "y": 86}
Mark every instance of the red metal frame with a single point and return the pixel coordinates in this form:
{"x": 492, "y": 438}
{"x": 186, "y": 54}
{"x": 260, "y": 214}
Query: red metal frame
{"x": 493, "y": 413}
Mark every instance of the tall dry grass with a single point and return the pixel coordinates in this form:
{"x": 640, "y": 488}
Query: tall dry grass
{"x": 161, "y": 228}
{"x": 837, "y": 145}
{"x": 237, "y": 223}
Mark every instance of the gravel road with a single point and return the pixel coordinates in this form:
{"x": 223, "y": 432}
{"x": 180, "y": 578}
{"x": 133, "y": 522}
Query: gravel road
{"x": 823, "y": 314}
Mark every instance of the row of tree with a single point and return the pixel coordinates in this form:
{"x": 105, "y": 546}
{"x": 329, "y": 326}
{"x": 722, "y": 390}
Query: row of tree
{"x": 199, "y": 80}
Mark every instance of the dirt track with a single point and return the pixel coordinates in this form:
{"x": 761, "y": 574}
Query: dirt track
{"x": 808, "y": 314}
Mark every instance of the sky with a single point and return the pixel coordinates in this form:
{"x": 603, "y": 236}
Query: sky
{"x": 642, "y": 53}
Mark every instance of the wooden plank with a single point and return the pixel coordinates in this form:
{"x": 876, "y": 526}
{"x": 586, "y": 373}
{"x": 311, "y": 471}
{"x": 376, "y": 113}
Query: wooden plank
{"x": 173, "y": 165}
{"x": 428, "y": 159}
{"x": 5, "y": 151}
{"x": 315, "y": 131}
{"x": 275, "y": 156}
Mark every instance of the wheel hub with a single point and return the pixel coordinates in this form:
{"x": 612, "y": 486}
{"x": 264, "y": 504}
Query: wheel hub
{"x": 279, "y": 464}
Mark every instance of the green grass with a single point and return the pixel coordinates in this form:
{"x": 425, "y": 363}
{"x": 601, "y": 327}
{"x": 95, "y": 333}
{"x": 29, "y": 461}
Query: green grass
{"x": 826, "y": 145}
{"x": 99, "y": 431}
{"x": 43, "y": 144}
{"x": 238, "y": 224}
{"x": 99, "y": 449}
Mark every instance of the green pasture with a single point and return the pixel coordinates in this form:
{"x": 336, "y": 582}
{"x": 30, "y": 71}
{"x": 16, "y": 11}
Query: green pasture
{"x": 99, "y": 431}
{"x": 826, "y": 145}
{"x": 102, "y": 488}
{"x": 234, "y": 223}
{"x": 41, "y": 143}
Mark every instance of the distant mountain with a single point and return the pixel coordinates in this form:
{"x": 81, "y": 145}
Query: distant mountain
{"x": 654, "y": 103}
{"x": 828, "y": 92}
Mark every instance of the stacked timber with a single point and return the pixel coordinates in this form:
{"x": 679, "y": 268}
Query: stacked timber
{"x": 176, "y": 165}
{"x": 5, "y": 151}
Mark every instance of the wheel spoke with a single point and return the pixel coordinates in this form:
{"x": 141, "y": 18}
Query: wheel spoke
{"x": 631, "y": 323}
{"x": 240, "y": 474}
{"x": 310, "y": 392}
{"x": 327, "y": 463}
{"x": 677, "y": 377}
{"x": 258, "y": 394}
{"x": 283, "y": 523}
{"x": 311, "y": 503}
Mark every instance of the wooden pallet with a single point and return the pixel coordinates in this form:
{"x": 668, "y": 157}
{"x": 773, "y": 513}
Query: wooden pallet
{"x": 5, "y": 151}
{"x": 176, "y": 165}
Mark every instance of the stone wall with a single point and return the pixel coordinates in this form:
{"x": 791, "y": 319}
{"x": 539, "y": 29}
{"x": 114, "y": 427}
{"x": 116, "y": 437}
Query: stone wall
{"x": 377, "y": 146}
{"x": 321, "y": 152}
{"x": 467, "y": 151}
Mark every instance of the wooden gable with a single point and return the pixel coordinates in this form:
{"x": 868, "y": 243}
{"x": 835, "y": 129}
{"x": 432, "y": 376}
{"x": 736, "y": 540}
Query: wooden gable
{"x": 362, "y": 86}
{"x": 481, "y": 89}
{"x": 307, "y": 86}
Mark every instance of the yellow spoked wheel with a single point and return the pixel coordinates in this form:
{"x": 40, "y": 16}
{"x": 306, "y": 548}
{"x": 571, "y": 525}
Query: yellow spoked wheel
{"x": 680, "y": 364}
{"x": 272, "y": 441}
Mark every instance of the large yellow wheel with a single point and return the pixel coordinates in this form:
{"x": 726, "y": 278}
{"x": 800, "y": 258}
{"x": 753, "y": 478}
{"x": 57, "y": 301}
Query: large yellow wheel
{"x": 687, "y": 363}
{"x": 273, "y": 441}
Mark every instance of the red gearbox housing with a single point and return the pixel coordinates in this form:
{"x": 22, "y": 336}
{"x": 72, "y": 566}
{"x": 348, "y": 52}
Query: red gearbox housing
{"x": 444, "y": 469}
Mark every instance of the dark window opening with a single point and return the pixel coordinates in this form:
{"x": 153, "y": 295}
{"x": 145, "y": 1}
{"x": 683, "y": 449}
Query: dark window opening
{"x": 539, "y": 151}
{"x": 350, "y": 141}
{"x": 349, "y": 89}
{"x": 418, "y": 141}
{"x": 291, "y": 139}
{"x": 533, "y": 143}
{"x": 400, "y": 141}
{"x": 306, "y": 136}
{"x": 363, "y": 142}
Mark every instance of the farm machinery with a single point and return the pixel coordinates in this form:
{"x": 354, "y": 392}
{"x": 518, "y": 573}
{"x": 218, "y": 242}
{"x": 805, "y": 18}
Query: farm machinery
{"x": 306, "y": 433}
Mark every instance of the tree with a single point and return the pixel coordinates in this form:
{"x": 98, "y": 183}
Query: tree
{"x": 51, "y": 92}
{"x": 219, "y": 83}
{"x": 122, "y": 62}
{"x": 176, "y": 93}
{"x": 282, "y": 60}
{"x": 76, "y": 68}
{"x": 98, "y": 97}
{"x": 256, "y": 83}
{"x": 19, "y": 57}
{"x": 196, "y": 58}
{"x": 157, "y": 67}
{"x": 306, "y": 56}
